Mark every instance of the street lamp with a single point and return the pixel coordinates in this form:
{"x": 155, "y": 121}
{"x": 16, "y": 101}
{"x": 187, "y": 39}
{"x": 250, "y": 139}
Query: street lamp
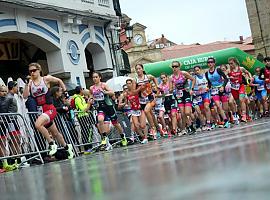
{"x": 129, "y": 35}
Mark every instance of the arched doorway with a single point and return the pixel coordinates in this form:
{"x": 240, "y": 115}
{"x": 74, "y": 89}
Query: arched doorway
{"x": 17, "y": 50}
{"x": 97, "y": 60}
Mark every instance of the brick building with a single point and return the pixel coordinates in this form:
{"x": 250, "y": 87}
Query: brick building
{"x": 259, "y": 18}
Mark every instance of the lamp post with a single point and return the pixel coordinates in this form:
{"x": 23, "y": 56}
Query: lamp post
{"x": 129, "y": 35}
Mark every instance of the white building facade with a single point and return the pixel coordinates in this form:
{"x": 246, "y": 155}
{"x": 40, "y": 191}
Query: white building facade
{"x": 74, "y": 37}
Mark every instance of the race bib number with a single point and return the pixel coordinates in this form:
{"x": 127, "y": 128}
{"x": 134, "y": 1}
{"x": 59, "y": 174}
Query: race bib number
{"x": 143, "y": 100}
{"x": 235, "y": 86}
{"x": 39, "y": 109}
{"x": 99, "y": 96}
{"x": 214, "y": 91}
{"x": 158, "y": 106}
{"x": 136, "y": 113}
{"x": 199, "y": 99}
{"x": 179, "y": 93}
{"x": 268, "y": 86}
{"x": 260, "y": 87}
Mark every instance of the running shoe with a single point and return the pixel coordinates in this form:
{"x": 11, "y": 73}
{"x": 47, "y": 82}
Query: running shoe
{"x": 236, "y": 119}
{"x": 249, "y": 119}
{"x": 103, "y": 144}
{"x": 191, "y": 130}
{"x": 221, "y": 124}
{"x": 199, "y": 129}
{"x": 88, "y": 151}
{"x": 173, "y": 132}
{"x": 209, "y": 127}
{"x": 8, "y": 167}
{"x": 227, "y": 124}
{"x": 166, "y": 134}
{"x": 52, "y": 149}
{"x": 153, "y": 132}
{"x": 109, "y": 147}
{"x": 70, "y": 151}
{"x": 124, "y": 142}
{"x": 183, "y": 132}
{"x": 180, "y": 133}
{"x": 244, "y": 119}
{"x": 145, "y": 141}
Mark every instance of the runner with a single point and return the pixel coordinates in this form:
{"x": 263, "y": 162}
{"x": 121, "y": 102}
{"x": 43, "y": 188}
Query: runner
{"x": 101, "y": 95}
{"x": 137, "y": 113}
{"x": 39, "y": 89}
{"x": 238, "y": 85}
{"x": 147, "y": 99}
{"x": 265, "y": 75}
{"x": 183, "y": 93}
{"x": 169, "y": 101}
{"x": 217, "y": 81}
{"x": 202, "y": 95}
{"x": 229, "y": 106}
{"x": 260, "y": 91}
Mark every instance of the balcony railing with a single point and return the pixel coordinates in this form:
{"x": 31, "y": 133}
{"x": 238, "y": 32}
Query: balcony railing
{"x": 95, "y": 6}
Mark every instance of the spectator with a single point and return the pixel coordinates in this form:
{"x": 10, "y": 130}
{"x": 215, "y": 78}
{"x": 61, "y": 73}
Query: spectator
{"x": 11, "y": 124}
{"x": 67, "y": 114}
{"x": 83, "y": 116}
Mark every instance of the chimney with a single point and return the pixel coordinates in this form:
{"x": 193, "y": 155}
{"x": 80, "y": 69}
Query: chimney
{"x": 162, "y": 35}
{"x": 241, "y": 38}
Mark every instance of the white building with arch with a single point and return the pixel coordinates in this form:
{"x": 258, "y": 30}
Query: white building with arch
{"x": 69, "y": 38}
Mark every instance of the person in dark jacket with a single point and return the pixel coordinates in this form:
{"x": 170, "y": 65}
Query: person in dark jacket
{"x": 11, "y": 123}
{"x": 66, "y": 114}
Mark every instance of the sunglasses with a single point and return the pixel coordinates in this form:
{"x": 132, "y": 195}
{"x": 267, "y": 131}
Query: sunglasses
{"x": 210, "y": 62}
{"x": 175, "y": 66}
{"x": 32, "y": 71}
{"x": 125, "y": 88}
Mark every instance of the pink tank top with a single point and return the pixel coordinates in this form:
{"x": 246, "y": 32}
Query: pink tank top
{"x": 164, "y": 89}
{"x": 179, "y": 81}
{"x": 98, "y": 93}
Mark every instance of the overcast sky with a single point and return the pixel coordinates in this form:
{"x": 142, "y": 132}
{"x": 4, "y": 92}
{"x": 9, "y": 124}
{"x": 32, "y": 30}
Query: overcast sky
{"x": 190, "y": 21}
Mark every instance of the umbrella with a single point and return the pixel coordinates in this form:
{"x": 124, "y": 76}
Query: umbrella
{"x": 2, "y": 82}
{"x": 116, "y": 83}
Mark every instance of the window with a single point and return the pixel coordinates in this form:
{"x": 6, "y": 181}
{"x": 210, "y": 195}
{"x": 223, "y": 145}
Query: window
{"x": 78, "y": 81}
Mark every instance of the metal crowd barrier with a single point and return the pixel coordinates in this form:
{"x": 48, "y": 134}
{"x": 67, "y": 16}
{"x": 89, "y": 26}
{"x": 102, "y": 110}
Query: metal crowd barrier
{"x": 16, "y": 139}
{"x": 19, "y": 137}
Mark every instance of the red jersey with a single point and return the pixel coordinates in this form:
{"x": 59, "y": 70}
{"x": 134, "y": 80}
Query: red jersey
{"x": 236, "y": 77}
{"x": 267, "y": 74}
{"x": 134, "y": 102}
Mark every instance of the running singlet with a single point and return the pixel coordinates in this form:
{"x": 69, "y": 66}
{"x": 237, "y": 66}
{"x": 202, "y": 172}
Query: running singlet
{"x": 98, "y": 93}
{"x": 165, "y": 89}
{"x": 201, "y": 84}
{"x": 260, "y": 82}
{"x": 147, "y": 91}
{"x": 267, "y": 76}
{"x": 134, "y": 102}
{"x": 215, "y": 79}
{"x": 159, "y": 103}
{"x": 99, "y": 96}
{"x": 41, "y": 93}
{"x": 236, "y": 79}
{"x": 180, "y": 84}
